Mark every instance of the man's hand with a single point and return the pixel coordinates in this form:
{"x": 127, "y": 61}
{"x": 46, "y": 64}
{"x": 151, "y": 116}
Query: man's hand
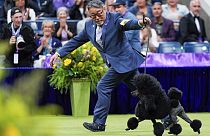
{"x": 53, "y": 59}
{"x": 145, "y": 21}
{"x": 12, "y": 40}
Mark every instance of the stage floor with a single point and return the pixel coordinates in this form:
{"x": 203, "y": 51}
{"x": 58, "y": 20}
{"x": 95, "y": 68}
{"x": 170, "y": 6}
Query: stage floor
{"x": 71, "y": 126}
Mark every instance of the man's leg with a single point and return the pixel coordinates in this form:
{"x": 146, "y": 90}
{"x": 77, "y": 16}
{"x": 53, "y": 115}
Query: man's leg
{"x": 105, "y": 86}
{"x": 130, "y": 83}
{"x": 130, "y": 80}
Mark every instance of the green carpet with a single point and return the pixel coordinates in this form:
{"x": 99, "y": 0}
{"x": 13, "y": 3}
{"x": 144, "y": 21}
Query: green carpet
{"x": 70, "y": 126}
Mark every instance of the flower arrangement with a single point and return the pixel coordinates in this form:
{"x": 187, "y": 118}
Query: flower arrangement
{"x": 83, "y": 63}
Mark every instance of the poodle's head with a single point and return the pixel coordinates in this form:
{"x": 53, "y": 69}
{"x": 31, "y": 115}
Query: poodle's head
{"x": 146, "y": 84}
{"x": 175, "y": 95}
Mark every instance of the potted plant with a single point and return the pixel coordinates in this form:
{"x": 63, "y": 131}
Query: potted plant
{"x": 79, "y": 71}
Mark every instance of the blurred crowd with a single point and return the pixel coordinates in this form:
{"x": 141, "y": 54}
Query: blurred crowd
{"x": 34, "y": 29}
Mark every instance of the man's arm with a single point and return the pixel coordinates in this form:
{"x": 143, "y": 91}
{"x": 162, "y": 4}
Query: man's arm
{"x": 73, "y": 43}
{"x": 132, "y": 24}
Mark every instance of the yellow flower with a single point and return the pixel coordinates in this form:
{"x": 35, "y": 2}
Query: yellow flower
{"x": 93, "y": 58}
{"x": 11, "y": 130}
{"x": 85, "y": 46}
{"x": 84, "y": 51}
{"x": 54, "y": 66}
{"x": 73, "y": 52}
{"x": 67, "y": 62}
{"x": 80, "y": 64}
{"x": 93, "y": 49}
{"x": 100, "y": 69}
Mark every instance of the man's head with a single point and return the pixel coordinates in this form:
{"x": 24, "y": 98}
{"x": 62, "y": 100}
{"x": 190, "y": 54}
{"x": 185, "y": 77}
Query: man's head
{"x": 157, "y": 10}
{"x": 119, "y": 6}
{"x": 97, "y": 11}
{"x": 195, "y": 7}
{"x": 16, "y": 16}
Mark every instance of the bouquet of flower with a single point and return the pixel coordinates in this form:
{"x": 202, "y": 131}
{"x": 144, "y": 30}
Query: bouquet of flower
{"x": 83, "y": 63}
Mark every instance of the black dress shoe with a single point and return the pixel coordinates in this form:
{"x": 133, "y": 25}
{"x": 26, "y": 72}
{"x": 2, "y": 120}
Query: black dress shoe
{"x": 94, "y": 127}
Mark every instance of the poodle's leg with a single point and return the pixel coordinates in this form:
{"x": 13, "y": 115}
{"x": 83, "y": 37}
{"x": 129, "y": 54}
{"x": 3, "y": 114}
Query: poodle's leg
{"x": 158, "y": 128}
{"x": 184, "y": 116}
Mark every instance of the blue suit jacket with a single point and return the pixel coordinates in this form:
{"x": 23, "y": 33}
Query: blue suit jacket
{"x": 116, "y": 49}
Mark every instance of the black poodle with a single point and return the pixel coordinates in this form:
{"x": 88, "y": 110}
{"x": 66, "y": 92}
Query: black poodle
{"x": 155, "y": 104}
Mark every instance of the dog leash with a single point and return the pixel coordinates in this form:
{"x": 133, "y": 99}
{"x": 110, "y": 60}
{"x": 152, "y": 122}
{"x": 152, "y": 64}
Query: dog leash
{"x": 147, "y": 49}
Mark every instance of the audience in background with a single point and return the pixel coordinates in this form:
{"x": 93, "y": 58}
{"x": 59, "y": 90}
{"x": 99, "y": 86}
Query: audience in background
{"x": 47, "y": 43}
{"x": 21, "y": 40}
{"x": 28, "y": 13}
{"x": 130, "y": 3}
{"x": 164, "y": 27}
{"x": 108, "y": 4}
{"x": 192, "y": 27}
{"x": 142, "y": 6}
{"x": 132, "y": 35}
{"x": 174, "y": 11}
{"x": 167, "y": 21}
{"x": 77, "y": 11}
{"x": 148, "y": 37}
{"x": 63, "y": 3}
{"x": 81, "y": 23}
{"x": 63, "y": 31}
{"x": 8, "y": 4}
{"x": 43, "y": 8}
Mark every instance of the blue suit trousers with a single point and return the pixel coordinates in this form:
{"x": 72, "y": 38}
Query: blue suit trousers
{"x": 104, "y": 88}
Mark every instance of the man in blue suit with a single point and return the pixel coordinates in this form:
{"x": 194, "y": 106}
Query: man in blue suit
{"x": 106, "y": 31}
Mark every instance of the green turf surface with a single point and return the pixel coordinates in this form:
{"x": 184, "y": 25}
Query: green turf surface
{"x": 116, "y": 124}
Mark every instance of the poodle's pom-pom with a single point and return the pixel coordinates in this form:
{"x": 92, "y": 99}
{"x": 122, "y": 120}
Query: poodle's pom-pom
{"x": 175, "y": 129}
{"x": 147, "y": 84}
{"x": 132, "y": 123}
{"x": 174, "y": 103}
{"x": 158, "y": 129}
{"x": 196, "y": 125}
{"x": 174, "y": 93}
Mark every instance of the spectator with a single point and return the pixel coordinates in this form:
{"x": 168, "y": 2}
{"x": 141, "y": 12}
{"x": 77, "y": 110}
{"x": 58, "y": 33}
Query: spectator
{"x": 63, "y": 3}
{"x": 130, "y": 3}
{"x": 21, "y": 40}
{"x": 43, "y": 8}
{"x": 63, "y": 31}
{"x": 108, "y": 4}
{"x": 47, "y": 43}
{"x": 148, "y": 38}
{"x": 81, "y": 23}
{"x": 141, "y": 6}
{"x": 192, "y": 27}
{"x": 174, "y": 11}
{"x": 132, "y": 35}
{"x": 77, "y": 11}
{"x": 145, "y": 34}
{"x": 164, "y": 27}
{"x": 8, "y": 4}
{"x": 28, "y": 13}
